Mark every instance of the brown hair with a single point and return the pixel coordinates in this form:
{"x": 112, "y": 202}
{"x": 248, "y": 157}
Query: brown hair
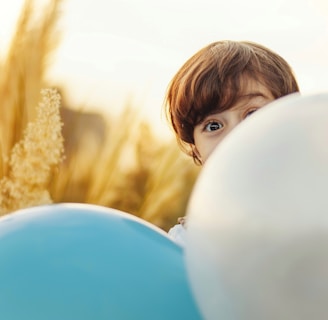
{"x": 211, "y": 80}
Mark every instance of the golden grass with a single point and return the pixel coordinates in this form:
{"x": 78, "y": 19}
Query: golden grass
{"x": 127, "y": 168}
{"x": 131, "y": 170}
{"x": 22, "y": 72}
{"x": 33, "y": 158}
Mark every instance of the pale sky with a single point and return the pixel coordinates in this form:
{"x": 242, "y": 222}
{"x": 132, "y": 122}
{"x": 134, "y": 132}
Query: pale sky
{"x": 115, "y": 50}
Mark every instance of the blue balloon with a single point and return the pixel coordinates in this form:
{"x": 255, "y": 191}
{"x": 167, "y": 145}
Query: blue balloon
{"x": 81, "y": 261}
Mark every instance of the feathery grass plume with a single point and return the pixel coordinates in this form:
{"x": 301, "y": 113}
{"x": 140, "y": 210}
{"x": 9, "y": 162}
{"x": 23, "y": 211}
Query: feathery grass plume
{"x": 33, "y": 158}
{"x": 22, "y": 73}
{"x": 131, "y": 171}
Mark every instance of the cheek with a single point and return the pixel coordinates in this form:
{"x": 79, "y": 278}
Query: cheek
{"x": 206, "y": 146}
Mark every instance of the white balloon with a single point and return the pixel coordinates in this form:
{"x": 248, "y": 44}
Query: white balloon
{"x": 257, "y": 234}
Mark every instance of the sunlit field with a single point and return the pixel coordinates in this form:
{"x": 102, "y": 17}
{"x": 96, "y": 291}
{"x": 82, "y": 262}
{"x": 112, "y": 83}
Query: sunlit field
{"x": 52, "y": 152}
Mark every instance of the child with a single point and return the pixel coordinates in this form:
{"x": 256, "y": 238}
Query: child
{"x": 216, "y": 89}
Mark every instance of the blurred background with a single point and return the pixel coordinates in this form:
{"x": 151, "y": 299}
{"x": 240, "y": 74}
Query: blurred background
{"x": 112, "y": 61}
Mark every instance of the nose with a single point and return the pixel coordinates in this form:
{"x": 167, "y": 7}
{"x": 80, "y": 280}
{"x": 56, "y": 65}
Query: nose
{"x": 233, "y": 123}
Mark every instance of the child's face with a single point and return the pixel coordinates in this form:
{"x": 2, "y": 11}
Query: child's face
{"x": 214, "y": 128}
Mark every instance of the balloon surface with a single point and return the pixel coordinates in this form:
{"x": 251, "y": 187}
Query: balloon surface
{"x": 79, "y": 261}
{"x": 257, "y": 235}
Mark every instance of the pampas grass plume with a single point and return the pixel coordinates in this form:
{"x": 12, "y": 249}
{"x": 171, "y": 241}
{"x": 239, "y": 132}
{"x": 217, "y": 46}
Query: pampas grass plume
{"x": 33, "y": 158}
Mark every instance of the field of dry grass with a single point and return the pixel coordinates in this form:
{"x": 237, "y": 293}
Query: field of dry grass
{"x": 54, "y": 154}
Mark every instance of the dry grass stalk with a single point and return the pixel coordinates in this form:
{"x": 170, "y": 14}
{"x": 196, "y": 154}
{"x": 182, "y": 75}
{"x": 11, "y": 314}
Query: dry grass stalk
{"x": 132, "y": 171}
{"x": 33, "y": 158}
{"x": 114, "y": 158}
{"x": 168, "y": 187}
{"x": 21, "y": 77}
{"x": 153, "y": 184}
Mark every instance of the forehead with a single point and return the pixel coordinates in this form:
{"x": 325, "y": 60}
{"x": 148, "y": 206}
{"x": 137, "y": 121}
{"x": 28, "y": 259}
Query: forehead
{"x": 250, "y": 86}
{"x": 236, "y": 91}
{"x": 252, "y": 89}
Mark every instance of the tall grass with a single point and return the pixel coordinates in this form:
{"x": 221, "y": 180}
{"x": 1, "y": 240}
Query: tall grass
{"x": 22, "y": 72}
{"x": 30, "y": 133}
{"x": 131, "y": 170}
{"x": 33, "y": 158}
{"x": 126, "y": 167}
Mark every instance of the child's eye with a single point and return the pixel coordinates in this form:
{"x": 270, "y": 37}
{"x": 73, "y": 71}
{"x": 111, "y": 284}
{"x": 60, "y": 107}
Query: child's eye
{"x": 250, "y": 112}
{"x": 213, "y": 126}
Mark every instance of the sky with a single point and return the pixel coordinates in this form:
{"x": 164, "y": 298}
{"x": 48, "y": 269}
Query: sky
{"x": 118, "y": 51}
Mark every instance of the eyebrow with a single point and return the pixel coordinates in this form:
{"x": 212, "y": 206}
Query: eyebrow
{"x": 250, "y": 95}
{"x": 253, "y": 95}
